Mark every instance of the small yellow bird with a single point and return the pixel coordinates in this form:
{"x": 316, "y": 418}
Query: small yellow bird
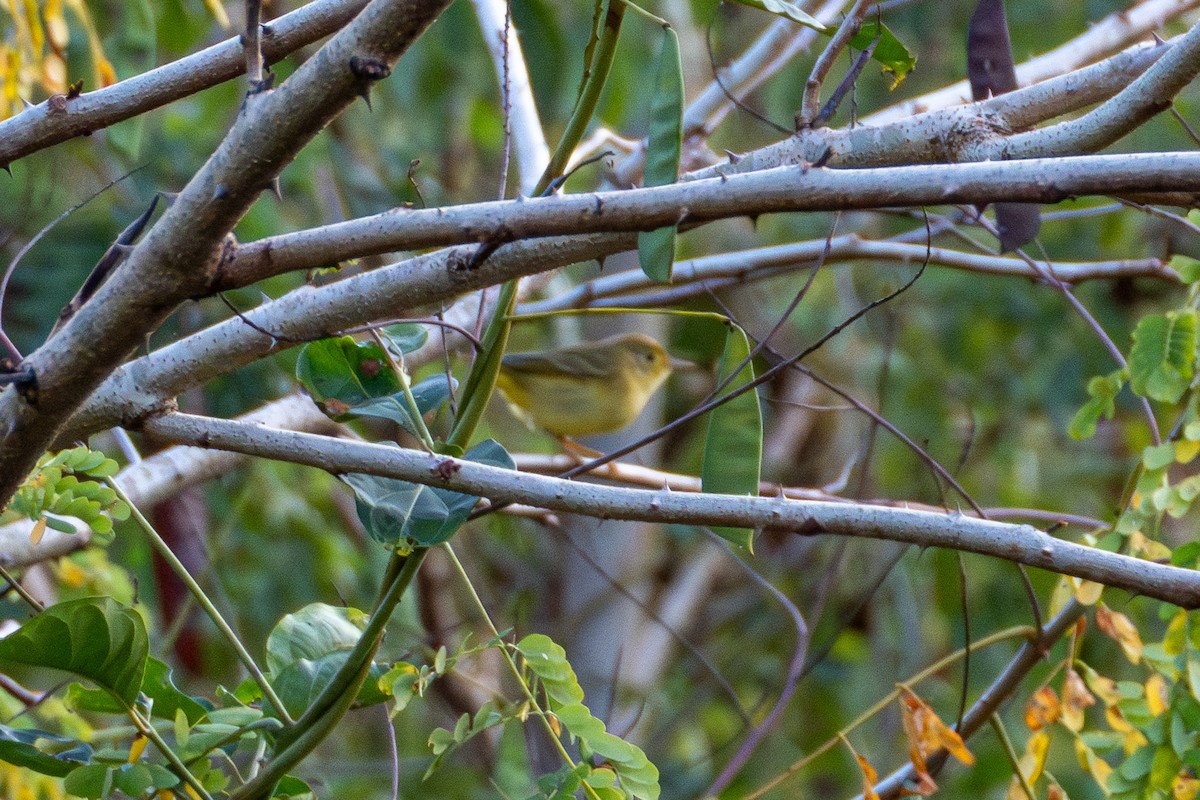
{"x": 588, "y": 388}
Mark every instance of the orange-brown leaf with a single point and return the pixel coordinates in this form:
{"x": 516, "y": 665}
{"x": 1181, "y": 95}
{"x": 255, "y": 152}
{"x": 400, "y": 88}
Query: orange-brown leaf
{"x": 1075, "y": 698}
{"x": 1042, "y": 709}
{"x": 927, "y": 733}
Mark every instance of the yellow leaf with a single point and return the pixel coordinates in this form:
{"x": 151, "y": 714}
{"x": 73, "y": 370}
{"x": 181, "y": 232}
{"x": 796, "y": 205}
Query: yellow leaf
{"x": 1087, "y": 592}
{"x": 1186, "y": 450}
{"x": 1117, "y": 626}
{"x": 137, "y": 748}
{"x": 1042, "y": 709}
{"x": 1156, "y": 694}
{"x": 1131, "y": 737}
{"x": 1097, "y": 767}
{"x": 1147, "y": 548}
{"x": 1034, "y": 759}
{"x": 1176, "y": 635}
{"x": 1063, "y": 592}
{"x": 1105, "y": 688}
{"x": 39, "y": 530}
{"x": 37, "y": 35}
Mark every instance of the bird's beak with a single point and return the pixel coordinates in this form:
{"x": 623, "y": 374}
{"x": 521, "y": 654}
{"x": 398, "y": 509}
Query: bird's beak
{"x": 683, "y": 365}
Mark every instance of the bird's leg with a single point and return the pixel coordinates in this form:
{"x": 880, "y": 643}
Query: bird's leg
{"x": 584, "y": 454}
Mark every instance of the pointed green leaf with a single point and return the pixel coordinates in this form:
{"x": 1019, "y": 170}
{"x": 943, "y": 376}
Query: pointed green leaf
{"x": 397, "y": 512}
{"x": 656, "y": 249}
{"x": 889, "y": 51}
{"x": 733, "y": 443}
{"x": 93, "y": 637}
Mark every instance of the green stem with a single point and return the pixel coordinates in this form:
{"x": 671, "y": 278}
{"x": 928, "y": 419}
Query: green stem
{"x": 405, "y": 386}
{"x": 512, "y": 665}
{"x": 589, "y": 95}
{"x": 146, "y": 729}
{"x": 180, "y": 570}
{"x": 1013, "y": 758}
{"x": 318, "y": 721}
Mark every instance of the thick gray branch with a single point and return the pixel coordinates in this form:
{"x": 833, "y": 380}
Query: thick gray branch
{"x": 768, "y": 191}
{"x": 1021, "y": 543}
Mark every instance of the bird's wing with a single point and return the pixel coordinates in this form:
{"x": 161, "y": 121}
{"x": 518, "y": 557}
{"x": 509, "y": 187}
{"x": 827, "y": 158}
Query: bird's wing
{"x": 579, "y": 362}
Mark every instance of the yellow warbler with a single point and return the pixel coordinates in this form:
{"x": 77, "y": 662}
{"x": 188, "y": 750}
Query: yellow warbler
{"x": 589, "y": 388}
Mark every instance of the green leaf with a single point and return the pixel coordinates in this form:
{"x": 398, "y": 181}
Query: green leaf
{"x": 398, "y": 513}
{"x": 93, "y": 637}
{"x": 156, "y": 684}
{"x": 93, "y": 780}
{"x": 314, "y": 631}
{"x": 789, "y": 9}
{"x": 890, "y": 52}
{"x": 405, "y": 337}
{"x": 548, "y": 661}
{"x": 733, "y": 443}
{"x": 656, "y": 252}
{"x": 1159, "y": 456}
{"x": 656, "y": 249}
{"x": 1102, "y": 390}
{"x": 28, "y": 749}
{"x": 1188, "y": 268}
{"x": 292, "y": 788}
{"x": 428, "y": 395}
{"x": 341, "y": 373}
{"x": 1163, "y": 354}
{"x": 300, "y": 682}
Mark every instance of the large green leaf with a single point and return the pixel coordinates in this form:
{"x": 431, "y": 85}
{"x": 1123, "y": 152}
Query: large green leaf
{"x": 94, "y": 637}
{"x": 42, "y": 752}
{"x": 299, "y": 684}
{"x": 398, "y": 513}
{"x": 341, "y": 373}
{"x": 305, "y": 649}
{"x": 350, "y": 379}
{"x": 314, "y": 631}
{"x": 656, "y": 249}
{"x": 1161, "y": 362}
{"x": 157, "y": 685}
{"x": 733, "y": 443}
